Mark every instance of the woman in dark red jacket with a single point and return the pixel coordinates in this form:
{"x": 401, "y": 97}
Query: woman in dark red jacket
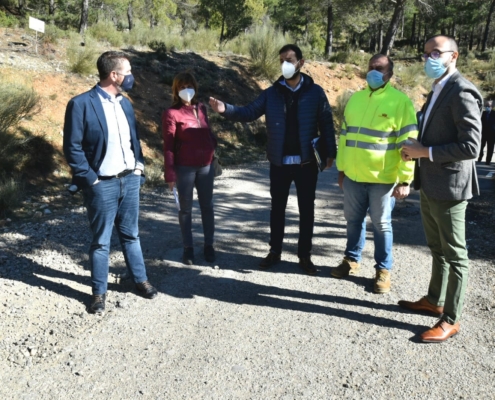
{"x": 188, "y": 147}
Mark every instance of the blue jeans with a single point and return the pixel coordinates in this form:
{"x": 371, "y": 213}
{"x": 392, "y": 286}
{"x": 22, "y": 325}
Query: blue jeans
{"x": 358, "y": 199}
{"x": 109, "y": 202}
{"x": 201, "y": 178}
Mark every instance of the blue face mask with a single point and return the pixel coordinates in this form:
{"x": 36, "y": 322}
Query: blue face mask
{"x": 375, "y": 79}
{"x": 127, "y": 83}
{"x": 434, "y": 68}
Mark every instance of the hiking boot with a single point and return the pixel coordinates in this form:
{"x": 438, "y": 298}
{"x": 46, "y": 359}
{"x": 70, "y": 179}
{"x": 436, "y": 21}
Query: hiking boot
{"x": 307, "y": 265}
{"x": 382, "y": 281}
{"x": 97, "y": 304}
{"x": 209, "y": 253}
{"x": 346, "y": 268}
{"x": 270, "y": 260}
{"x": 188, "y": 256}
{"x": 146, "y": 290}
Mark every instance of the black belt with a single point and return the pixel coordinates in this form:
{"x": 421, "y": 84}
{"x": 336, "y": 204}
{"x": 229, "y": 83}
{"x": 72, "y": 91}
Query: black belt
{"x": 125, "y": 172}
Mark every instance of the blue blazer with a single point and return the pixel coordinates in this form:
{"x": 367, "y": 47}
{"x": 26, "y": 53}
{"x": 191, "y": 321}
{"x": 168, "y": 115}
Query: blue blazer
{"x": 86, "y": 136}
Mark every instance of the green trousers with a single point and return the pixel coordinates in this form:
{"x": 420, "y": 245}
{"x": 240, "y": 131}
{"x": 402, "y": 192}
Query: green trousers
{"x": 445, "y": 229}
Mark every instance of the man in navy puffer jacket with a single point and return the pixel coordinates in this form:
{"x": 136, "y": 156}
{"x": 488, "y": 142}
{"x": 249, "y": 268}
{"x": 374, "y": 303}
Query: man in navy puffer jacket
{"x": 296, "y": 109}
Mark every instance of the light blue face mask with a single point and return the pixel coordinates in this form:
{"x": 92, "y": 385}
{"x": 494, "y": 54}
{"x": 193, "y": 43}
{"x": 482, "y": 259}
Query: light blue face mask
{"x": 375, "y": 79}
{"x": 434, "y": 68}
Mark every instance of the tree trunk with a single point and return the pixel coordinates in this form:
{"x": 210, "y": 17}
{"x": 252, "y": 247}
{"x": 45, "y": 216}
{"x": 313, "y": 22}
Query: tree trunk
{"x": 413, "y": 30}
{"x": 51, "y": 8}
{"x": 129, "y": 16}
{"x": 487, "y": 26}
{"x": 223, "y": 28}
{"x": 83, "y": 25}
{"x": 329, "y": 41}
{"x": 471, "y": 39}
{"x": 380, "y": 35}
{"x": 392, "y": 28}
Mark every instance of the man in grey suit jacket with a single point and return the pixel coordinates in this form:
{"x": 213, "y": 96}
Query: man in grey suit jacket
{"x": 101, "y": 145}
{"x": 445, "y": 172}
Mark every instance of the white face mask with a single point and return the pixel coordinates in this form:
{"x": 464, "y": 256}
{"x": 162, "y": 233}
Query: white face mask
{"x": 288, "y": 69}
{"x": 187, "y": 94}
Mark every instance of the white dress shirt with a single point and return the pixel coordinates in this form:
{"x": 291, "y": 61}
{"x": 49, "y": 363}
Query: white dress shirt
{"x": 119, "y": 155}
{"x": 437, "y": 89}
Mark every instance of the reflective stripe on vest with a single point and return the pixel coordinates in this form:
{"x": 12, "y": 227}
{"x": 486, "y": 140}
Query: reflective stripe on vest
{"x": 379, "y": 134}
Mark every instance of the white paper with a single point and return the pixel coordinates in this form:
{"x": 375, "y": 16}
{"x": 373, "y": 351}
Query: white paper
{"x": 177, "y": 204}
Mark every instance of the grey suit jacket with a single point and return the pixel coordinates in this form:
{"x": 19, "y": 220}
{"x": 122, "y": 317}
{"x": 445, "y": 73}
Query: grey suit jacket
{"x": 453, "y": 130}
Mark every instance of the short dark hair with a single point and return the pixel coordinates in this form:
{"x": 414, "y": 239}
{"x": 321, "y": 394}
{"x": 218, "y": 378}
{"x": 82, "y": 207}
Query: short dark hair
{"x": 292, "y": 47}
{"x": 390, "y": 62}
{"x": 108, "y": 62}
{"x": 450, "y": 40}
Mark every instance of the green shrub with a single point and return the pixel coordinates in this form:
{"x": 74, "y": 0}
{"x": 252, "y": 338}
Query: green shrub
{"x": 82, "y": 58}
{"x": 409, "y": 76}
{"x": 154, "y": 174}
{"x": 8, "y": 21}
{"x": 10, "y": 194}
{"x": 263, "y": 45}
{"x": 52, "y": 34}
{"x": 17, "y": 101}
{"x": 238, "y": 45}
{"x": 201, "y": 40}
{"x": 105, "y": 31}
{"x": 350, "y": 57}
{"x": 159, "y": 47}
{"x": 338, "y": 109}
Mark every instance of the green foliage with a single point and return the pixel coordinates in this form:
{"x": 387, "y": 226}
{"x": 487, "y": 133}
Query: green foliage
{"x": 338, "y": 109}
{"x": 10, "y": 194}
{"x": 82, "y": 59}
{"x": 264, "y": 44}
{"x": 358, "y": 58}
{"x": 105, "y": 31}
{"x": 201, "y": 40}
{"x": 53, "y": 34}
{"x": 159, "y": 47}
{"x": 232, "y": 16}
{"x": 7, "y": 21}
{"x": 17, "y": 101}
{"x": 409, "y": 76}
{"x": 154, "y": 173}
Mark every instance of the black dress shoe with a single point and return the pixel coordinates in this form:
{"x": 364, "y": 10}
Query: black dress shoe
{"x": 307, "y": 265}
{"x": 147, "y": 290}
{"x": 270, "y": 260}
{"x": 209, "y": 252}
{"x": 97, "y": 304}
{"x": 188, "y": 256}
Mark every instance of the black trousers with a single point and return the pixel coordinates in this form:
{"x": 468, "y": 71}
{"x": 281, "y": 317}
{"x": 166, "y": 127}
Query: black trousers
{"x": 305, "y": 178}
{"x": 488, "y": 140}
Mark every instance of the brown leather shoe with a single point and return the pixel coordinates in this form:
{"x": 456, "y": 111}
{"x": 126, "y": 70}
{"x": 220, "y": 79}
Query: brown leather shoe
{"x": 422, "y": 305}
{"x": 440, "y": 332}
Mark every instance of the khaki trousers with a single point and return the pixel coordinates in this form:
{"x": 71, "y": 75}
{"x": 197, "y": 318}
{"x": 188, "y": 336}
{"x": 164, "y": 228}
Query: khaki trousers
{"x": 445, "y": 230}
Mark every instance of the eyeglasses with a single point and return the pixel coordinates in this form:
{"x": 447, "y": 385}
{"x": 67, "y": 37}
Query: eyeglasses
{"x": 435, "y": 54}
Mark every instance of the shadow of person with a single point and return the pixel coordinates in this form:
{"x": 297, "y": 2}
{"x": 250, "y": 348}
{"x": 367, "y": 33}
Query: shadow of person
{"x": 186, "y": 282}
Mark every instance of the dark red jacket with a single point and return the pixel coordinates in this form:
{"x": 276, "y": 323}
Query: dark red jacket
{"x": 187, "y": 140}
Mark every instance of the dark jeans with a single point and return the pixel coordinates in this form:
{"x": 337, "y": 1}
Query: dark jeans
{"x": 489, "y": 141}
{"x": 187, "y": 179}
{"x": 114, "y": 201}
{"x": 305, "y": 178}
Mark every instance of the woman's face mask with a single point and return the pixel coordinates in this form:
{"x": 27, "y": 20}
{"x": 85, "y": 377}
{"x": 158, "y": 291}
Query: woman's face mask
{"x": 187, "y": 94}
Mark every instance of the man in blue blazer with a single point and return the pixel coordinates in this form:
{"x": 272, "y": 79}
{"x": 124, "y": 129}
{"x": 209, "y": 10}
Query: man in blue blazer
{"x": 445, "y": 172}
{"x": 101, "y": 145}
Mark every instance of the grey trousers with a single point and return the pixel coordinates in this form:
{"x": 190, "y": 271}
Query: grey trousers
{"x": 200, "y": 178}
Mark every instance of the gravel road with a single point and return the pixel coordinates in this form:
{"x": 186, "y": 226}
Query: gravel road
{"x": 229, "y": 330}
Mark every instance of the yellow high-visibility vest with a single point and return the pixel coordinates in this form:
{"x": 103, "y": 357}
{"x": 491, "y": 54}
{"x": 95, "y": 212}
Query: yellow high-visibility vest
{"x": 376, "y": 124}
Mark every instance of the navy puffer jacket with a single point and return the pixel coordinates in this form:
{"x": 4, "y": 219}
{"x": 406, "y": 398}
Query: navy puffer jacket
{"x": 314, "y": 114}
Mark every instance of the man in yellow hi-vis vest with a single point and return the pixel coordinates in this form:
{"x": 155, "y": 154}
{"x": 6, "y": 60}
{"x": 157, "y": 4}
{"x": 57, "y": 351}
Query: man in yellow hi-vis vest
{"x": 377, "y": 121}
